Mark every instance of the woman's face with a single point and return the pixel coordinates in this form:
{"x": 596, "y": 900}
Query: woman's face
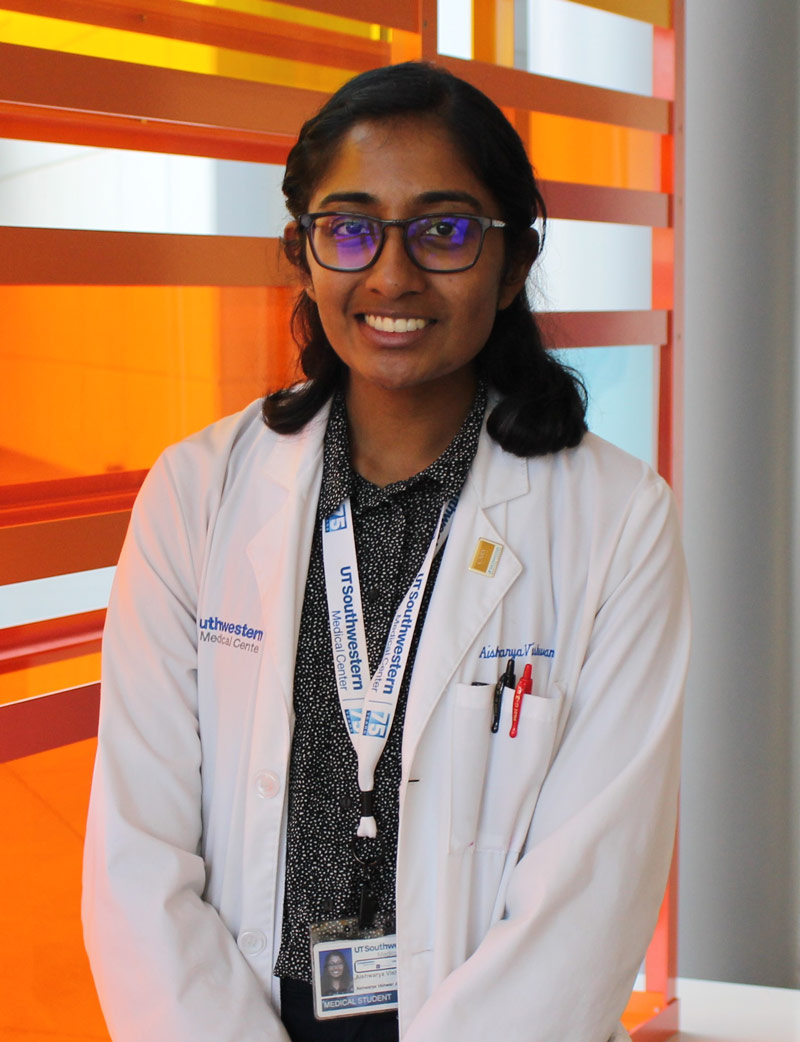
{"x": 395, "y": 326}
{"x": 335, "y": 966}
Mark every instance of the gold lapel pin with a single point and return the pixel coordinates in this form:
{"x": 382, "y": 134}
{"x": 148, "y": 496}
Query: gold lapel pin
{"x": 485, "y": 558}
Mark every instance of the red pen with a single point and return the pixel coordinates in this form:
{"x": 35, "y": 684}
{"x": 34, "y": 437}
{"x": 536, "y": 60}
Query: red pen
{"x": 523, "y": 688}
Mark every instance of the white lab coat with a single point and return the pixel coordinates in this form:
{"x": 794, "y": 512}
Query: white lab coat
{"x": 529, "y": 870}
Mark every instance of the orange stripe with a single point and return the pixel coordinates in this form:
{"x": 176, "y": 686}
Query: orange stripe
{"x": 581, "y": 202}
{"x": 48, "y": 721}
{"x": 68, "y": 497}
{"x": 34, "y": 642}
{"x": 525, "y": 90}
{"x": 76, "y": 544}
{"x": 36, "y": 77}
{"x": 56, "y": 256}
{"x": 603, "y": 328}
{"x": 397, "y": 14}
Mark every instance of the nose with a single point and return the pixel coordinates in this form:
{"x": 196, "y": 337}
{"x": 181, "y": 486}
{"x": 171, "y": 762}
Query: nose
{"x": 394, "y": 273}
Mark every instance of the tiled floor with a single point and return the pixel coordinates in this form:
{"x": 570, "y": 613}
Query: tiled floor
{"x": 46, "y": 990}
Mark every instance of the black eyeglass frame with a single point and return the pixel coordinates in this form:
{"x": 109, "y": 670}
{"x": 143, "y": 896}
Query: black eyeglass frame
{"x": 306, "y": 221}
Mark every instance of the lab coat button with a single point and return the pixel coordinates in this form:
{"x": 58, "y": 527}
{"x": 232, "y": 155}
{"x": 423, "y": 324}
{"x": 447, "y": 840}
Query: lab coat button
{"x": 251, "y": 942}
{"x": 268, "y": 784}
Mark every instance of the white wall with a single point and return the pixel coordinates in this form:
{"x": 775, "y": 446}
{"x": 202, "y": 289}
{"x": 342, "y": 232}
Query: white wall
{"x": 740, "y": 806}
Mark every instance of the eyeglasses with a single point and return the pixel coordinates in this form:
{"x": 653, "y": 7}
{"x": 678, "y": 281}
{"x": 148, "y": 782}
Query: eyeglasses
{"x": 435, "y": 242}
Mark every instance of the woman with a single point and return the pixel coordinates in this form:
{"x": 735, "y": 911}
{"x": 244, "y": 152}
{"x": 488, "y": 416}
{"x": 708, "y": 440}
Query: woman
{"x": 313, "y": 610}
{"x": 336, "y": 977}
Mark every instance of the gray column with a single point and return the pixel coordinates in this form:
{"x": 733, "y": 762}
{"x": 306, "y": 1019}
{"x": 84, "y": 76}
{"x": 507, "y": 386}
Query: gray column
{"x": 739, "y": 832}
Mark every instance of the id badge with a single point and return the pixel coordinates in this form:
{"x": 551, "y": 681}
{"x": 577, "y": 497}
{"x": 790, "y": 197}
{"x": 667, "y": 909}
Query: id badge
{"x": 352, "y": 970}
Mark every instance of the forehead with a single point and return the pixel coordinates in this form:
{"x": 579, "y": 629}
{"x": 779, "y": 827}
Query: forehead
{"x": 395, "y": 164}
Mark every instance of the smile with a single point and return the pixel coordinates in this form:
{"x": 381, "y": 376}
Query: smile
{"x": 385, "y": 324}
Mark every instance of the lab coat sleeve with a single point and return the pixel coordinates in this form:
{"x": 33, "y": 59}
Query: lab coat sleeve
{"x": 166, "y": 967}
{"x": 584, "y": 896}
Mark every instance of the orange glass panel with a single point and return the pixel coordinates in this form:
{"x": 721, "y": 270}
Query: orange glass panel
{"x": 405, "y": 46}
{"x": 663, "y": 268}
{"x": 101, "y": 378}
{"x": 658, "y": 12}
{"x": 668, "y": 163}
{"x": 565, "y": 149}
{"x": 493, "y": 31}
{"x": 643, "y": 1005}
{"x": 46, "y": 990}
{"x": 51, "y": 676}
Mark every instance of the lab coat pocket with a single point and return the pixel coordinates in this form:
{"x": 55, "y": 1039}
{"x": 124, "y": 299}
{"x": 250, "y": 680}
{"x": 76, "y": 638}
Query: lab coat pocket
{"x": 495, "y": 778}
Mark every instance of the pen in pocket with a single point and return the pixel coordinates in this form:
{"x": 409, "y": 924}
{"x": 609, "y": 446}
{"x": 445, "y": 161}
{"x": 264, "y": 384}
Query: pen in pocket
{"x": 506, "y": 680}
{"x": 523, "y": 688}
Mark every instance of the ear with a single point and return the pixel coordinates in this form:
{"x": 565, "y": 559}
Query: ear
{"x": 517, "y": 271}
{"x": 294, "y": 247}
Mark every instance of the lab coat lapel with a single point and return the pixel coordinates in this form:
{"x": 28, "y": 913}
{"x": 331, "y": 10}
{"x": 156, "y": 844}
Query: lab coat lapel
{"x": 463, "y": 600}
{"x": 279, "y": 552}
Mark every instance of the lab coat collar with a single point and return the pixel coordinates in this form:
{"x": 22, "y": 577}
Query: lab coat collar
{"x": 462, "y": 600}
{"x": 496, "y": 476}
{"x": 279, "y": 552}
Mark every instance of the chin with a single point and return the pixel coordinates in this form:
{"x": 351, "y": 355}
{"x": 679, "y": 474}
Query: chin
{"x": 397, "y": 381}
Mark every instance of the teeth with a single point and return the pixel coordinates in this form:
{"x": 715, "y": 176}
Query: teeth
{"x": 385, "y": 324}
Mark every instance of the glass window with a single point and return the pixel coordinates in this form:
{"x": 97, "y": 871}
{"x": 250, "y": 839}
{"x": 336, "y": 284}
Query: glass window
{"x": 48, "y": 185}
{"x": 621, "y": 382}
{"x": 39, "y": 599}
{"x": 574, "y": 42}
{"x": 591, "y": 266}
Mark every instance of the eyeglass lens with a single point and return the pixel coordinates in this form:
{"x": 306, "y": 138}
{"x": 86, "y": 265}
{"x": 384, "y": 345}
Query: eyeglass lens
{"x": 442, "y": 242}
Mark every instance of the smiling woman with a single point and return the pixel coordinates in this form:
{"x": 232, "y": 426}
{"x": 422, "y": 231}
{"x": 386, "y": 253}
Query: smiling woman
{"x": 363, "y": 778}
{"x": 407, "y": 336}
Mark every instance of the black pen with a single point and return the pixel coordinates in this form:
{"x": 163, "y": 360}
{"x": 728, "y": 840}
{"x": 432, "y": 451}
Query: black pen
{"x": 506, "y": 680}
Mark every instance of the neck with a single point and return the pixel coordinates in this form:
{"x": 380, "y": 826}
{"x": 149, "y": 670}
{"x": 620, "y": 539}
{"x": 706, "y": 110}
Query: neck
{"x": 396, "y": 434}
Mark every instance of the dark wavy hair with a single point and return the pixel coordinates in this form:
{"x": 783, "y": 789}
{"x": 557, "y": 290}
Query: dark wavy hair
{"x": 542, "y": 405}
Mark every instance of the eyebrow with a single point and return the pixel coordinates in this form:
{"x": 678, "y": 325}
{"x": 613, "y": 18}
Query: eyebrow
{"x": 425, "y": 199}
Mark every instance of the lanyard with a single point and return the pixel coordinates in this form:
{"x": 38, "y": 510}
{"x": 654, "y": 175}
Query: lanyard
{"x": 368, "y": 703}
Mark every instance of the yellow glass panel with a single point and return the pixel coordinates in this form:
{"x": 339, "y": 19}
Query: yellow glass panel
{"x": 101, "y": 378}
{"x": 51, "y": 676}
{"x": 299, "y": 16}
{"x": 46, "y": 989}
{"x": 54, "y": 34}
{"x": 566, "y": 149}
{"x": 94, "y": 42}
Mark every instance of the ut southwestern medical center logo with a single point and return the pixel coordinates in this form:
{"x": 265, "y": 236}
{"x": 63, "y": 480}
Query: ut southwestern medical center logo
{"x": 239, "y": 635}
{"x": 378, "y": 721}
